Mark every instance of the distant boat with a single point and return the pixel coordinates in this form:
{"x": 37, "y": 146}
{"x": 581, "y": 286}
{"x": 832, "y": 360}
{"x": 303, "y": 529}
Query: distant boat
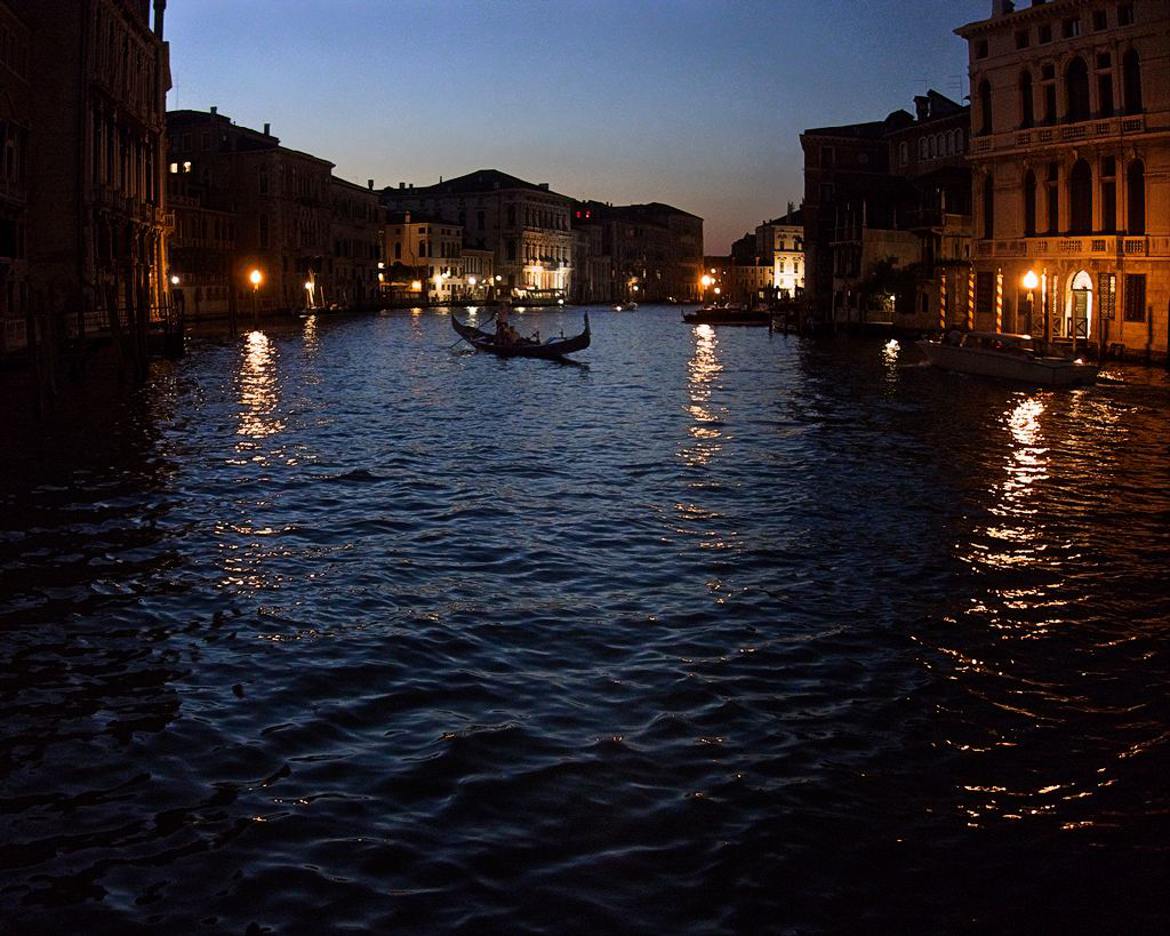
{"x": 727, "y": 314}
{"x": 1007, "y": 357}
{"x": 523, "y": 347}
{"x": 627, "y": 306}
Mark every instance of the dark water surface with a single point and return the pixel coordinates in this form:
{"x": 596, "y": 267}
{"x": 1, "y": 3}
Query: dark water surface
{"x": 337, "y": 629}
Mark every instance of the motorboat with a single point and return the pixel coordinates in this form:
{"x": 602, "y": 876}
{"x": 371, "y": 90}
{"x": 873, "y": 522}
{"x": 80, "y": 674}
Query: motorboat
{"x": 626, "y": 306}
{"x": 1007, "y": 357}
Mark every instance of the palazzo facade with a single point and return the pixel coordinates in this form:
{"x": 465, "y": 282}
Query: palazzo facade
{"x": 1070, "y": 159}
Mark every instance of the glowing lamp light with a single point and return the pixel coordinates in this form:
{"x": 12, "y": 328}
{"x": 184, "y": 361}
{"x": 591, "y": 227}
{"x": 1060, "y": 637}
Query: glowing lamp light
{"x": 706, "y": 281}
{"x": 416, "y": 285}
{"x": 309, "y": 285}
{"x": 174, "y": 280}
{"x": 718, "y": 290}
{"x": 1031, "y": 280}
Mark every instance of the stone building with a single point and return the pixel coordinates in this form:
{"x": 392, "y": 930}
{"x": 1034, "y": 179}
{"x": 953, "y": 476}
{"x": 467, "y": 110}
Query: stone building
{"x": 525, "y": 225}
{"x": 357, "y": 230}
{"x": 886, "y": 215}
{"x": 202, "y": 247}
{"x": 15, "y": 41}
{"x": 94, "y": 76}
{"x": 280, "y": 198}
{"x": 931, "y": 155}
{"x": 848, "y": 190}
{"x": 1071, "y": 161}
{"x": 781, "y": 241}
{"x": 424, "y": 258}
{"x": 654, "y": 251}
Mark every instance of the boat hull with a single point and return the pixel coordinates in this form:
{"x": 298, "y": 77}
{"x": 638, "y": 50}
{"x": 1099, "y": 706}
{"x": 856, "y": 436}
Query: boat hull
{"x": 548, "y": 350}
{"x": 1039, "y": 371}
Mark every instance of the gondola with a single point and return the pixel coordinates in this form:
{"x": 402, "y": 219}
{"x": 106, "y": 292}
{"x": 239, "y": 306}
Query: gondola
{"x": 525, "y": 347}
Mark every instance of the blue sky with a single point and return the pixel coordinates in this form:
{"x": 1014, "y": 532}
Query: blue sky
{"x": 698, "y": 103}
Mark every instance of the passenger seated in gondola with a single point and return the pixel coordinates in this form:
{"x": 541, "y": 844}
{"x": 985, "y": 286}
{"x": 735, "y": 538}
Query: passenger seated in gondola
{"x": 505, "y": 333}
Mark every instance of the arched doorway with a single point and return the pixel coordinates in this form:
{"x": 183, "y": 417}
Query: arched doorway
{"x": 1078, "y": 317}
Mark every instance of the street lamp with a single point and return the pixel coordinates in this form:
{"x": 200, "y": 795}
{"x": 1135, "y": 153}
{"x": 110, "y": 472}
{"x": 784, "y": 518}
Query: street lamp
{"x": 175, "y": 280}
{"x": 255, "y": 278}
{"x": 1031, "y": 281}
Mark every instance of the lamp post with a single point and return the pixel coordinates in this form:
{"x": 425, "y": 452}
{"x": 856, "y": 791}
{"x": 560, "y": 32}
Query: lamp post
{"x": 255, "y": 278}
{"x": 1031, "y": 281}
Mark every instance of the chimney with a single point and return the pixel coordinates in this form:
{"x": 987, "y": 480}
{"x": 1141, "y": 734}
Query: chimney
{"x": 214, "y": 110}
{"x": 402, "y": 185}
{"x": 1002, "y": 7}
{"x": 160, "y": 15}
{"x": 921, "y": 106}
{"x": 370, "y": 183}
{"x": 268, "y": 129}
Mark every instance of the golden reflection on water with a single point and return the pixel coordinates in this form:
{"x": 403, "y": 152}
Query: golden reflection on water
{"x": 258, "y": 390}
{"x": 309, "y": 335}
{"x": 703, "y": 368}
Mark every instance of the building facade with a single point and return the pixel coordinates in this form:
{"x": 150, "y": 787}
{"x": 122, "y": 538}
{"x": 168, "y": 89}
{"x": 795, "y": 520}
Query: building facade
{"x": 280, "y": 199}
{"x": 781, "y": 241}
{"x": 1071, "y": 161}
{"x": 357, "y": 232}
{"x": 654, "y": 251}
{"x": 97, "y": 222}
{"x": 525, "y": 225}
{"x": 15, "y": 42}
{"x": 888, "y": 229}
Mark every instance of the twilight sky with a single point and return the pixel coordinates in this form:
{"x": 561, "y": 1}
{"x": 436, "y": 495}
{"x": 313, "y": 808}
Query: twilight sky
{"x": 697, "y": 103}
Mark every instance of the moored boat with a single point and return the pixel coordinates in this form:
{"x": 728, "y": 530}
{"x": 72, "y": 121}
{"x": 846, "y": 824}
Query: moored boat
{"x": 728, "y": 314}
{"x": 1007, "y": 357}
{"x": 521, "y": 347}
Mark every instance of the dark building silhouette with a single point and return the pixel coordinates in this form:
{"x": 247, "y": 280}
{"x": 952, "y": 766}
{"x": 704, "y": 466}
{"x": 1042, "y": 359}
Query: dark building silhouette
{"x": 87, "y": 152}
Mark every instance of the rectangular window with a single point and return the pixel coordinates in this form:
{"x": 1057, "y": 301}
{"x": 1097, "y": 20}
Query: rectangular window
{"x": 263, "y": 230}
{"x": 1135, "y": 297}
{"x": 1125, "y": 14}
{"x": 1045, "y": 33}
{"x": 1070, "y": 28}
{"x": 1100, "y": 21}
{"x": 984, "y": 293}
{"x": 828, "y": 157}
{"x": 1023, "y": 39}
{"x": 1107, "y": 285}
{"x": 981, "y": 49}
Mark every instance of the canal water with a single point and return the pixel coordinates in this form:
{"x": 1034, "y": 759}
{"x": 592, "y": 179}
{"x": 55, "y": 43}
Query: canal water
{"x": 337, "y": 627}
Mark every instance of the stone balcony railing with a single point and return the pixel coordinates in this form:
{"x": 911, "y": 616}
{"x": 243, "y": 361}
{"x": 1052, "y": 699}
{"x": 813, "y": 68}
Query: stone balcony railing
{"x": 1086, "y": 247}
{"x": 1044, "y": 137}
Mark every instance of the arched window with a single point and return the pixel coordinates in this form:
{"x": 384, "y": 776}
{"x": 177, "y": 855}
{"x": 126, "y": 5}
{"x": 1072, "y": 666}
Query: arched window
{"x": 1135, "y": 179}
{"x": 1027, "y": 103}
{"x": 1080, "y": 198}
{"x": 985, "y": 107}
{"x": 988, "y": 206}
{"x": 1077, "y": 85}
{"x": 1030, "y": 204}
{"x": 922, "y": 147}
{"x": 1131, "y": 79}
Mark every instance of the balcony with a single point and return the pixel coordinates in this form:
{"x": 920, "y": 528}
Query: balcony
{"x": 1086, "y": 247}
{"x": 1043, "y": 137}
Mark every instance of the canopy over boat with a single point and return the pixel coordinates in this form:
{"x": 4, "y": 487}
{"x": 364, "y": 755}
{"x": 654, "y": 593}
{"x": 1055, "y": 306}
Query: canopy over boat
{"x": 521, "y": 347}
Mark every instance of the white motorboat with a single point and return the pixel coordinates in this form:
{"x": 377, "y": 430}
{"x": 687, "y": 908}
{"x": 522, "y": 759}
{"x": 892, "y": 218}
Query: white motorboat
{"x": 1007, "y": 357}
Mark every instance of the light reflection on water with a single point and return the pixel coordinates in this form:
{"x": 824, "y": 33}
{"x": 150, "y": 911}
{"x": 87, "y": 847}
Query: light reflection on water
{"x": 647, "y": 640}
